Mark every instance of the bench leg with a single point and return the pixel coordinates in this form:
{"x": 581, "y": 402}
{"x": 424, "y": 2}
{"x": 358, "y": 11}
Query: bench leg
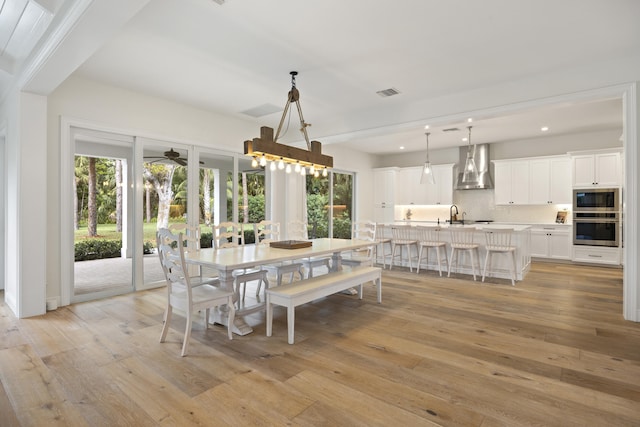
{"x": 360, "y": 293}
{"x": 379, "y": 289}
{"x": 269, "y": 315}
{"x": 291, "y": 319}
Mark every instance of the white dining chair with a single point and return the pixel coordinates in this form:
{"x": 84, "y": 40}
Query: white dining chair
{"x": 231, "y": 235}
{"x": 499, "y": 242}
{"x": 267, "y": 232}
{"x": 181, "y": 294}
{"x": 430, "y": 238}
{"x": 361, "y": 230}
{"x": 297, "y": 230}
{"x": 462, "y": 241}
{"x": 191, "y": 239}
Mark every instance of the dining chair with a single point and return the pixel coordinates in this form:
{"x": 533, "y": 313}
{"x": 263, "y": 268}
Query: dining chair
{"x": 499, "y": 242}
{"x": 402, "y": 237}
{"x": 297, "y": 230}
{"x": 181, "y": 294}
{"x": 362, "y": 230}
{"x": 267, "y": 232}
{"x": 430, "y": 238}
{"x": 230, "y": 235}
{"x": 462, "y": 241}
{"x": 383, "y": 237}
{"x": 191, "y": 238}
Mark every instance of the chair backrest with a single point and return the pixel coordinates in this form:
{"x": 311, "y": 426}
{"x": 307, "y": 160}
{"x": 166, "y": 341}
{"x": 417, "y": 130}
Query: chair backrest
{"x": 363, "y": 230}
{"x": 402, "y": 233}
{"x": 266, "y": 232}
{"x": 171, "y": 254}
{"x": 227, "y": 235}
{"x": 462, "y": 236}
{"x": 498, "y": 238}
{"x": 297, "y": 230}
{"x": 190, "y": 234}
{"x": 429, "y": 235}
{"x": 383, "y": 233}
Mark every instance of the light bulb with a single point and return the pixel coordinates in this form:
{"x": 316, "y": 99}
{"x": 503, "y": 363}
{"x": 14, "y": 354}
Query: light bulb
{"x": 273, "y": 166}
{"x": 297, "y": 169}
{"x": 324, "y": 172}
{"x": 288, "y": 169}
{"x": 312, "y": 169}
{"x": 263, "y": 161}
{"x": 316, "y": 174}
{"x": 254, "y": 163}
{"x": 303, "y": 171}
{"x": 281, "y": 164}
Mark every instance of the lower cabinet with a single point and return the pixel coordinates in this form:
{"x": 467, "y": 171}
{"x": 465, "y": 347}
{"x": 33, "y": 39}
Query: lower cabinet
{"x": 552, "y": 242}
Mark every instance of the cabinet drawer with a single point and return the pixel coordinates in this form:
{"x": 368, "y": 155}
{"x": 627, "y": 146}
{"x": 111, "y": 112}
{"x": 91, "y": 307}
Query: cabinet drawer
{"x": 596, "y": 255}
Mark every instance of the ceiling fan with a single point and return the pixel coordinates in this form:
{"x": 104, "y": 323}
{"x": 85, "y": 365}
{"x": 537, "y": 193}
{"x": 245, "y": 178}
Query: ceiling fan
{"x": 172, "y": 155}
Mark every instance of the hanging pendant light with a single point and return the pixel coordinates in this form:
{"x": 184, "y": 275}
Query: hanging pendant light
{"x": 470, "y": 173}
{"x": 426, "y": 177}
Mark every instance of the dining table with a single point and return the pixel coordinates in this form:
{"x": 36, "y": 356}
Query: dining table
{"x": 227, "y": 260}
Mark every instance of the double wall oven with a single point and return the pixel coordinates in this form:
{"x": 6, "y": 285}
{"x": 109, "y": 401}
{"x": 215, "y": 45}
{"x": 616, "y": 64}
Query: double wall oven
{"x": 596, "y": 217}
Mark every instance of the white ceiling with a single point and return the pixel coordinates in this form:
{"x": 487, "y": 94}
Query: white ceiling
{"x": 236, "y": 56}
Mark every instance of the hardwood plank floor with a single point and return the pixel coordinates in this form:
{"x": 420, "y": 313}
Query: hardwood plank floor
{"x": 552, "y": 351}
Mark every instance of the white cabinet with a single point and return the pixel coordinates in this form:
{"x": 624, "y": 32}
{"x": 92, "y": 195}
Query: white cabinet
{"x": 441, "y": 193}
{"x": 384, "y": 186}
{"x": 602, "y": 169}
{"x": 409, "y": 191}
{"x": 550, "y": 180}
{"x": 550, "y": 241}
{"x": 511, "y": 182}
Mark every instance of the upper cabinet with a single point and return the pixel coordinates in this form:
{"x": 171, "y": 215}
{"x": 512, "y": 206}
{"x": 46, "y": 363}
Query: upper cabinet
{"x": 549, "y": 180}
{"x": 409, "y": 191}
{"x": 511, "y": 182}
{"x": 597, "y": 169}
{"x": 384, "y": 187}
{"x": 535, "y": 181}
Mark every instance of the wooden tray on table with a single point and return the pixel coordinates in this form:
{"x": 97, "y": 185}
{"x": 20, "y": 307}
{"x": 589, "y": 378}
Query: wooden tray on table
{"x": 290, "y": 244}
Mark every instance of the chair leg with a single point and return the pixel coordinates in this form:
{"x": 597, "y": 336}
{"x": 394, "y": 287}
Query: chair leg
{"x": 166, "y": 321}
{"x": 486, "y": 261}
{"x": 513, "y": 264}
{"x": 450, "y": 262}
{"x": 420, "y": 258}
{"x": 439, "y": 259}
{"x": 393, "y": 256}
{"x": 187, "y": 335}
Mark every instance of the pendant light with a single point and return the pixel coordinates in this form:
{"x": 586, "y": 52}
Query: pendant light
{"x": 470, "y": 173}
{"x": 426, "y": 177}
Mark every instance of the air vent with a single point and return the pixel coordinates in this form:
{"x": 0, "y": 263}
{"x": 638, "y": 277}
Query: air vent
{"x": 388, "y": 92}
{"x": 451, "y": 130}
{"x": 262, "y": 110}
{"x": 220, "y": 2}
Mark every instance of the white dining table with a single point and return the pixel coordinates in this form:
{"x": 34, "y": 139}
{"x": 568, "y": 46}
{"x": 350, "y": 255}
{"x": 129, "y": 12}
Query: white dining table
{"x": 227, "y": 260}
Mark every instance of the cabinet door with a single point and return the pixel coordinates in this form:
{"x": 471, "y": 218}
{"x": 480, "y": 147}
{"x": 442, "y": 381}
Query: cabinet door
{"x": 560, "y": 181}
{"x": 503, "y": 184}
{"x": 560, "y": 245}
{"x": 384, "y": 186}
{"x": 583, "y": 171}
{"x": 607, "y": 169}
{"x": 443, "y": 193}
{"x": 520, "y": 180}
{"x": 539, "y": 181}
{"x": 409, "y": 191}
{"x": 539, "y": 244}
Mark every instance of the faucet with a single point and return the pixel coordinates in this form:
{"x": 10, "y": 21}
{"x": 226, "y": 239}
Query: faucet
{"x": 452, "y": 216}
{"x": 463, "y": 215}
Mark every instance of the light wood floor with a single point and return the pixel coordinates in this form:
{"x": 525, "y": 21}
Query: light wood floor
{"x": 553, "y": 351}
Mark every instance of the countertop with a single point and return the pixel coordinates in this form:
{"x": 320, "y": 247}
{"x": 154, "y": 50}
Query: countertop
{"x": 478, "y": 226}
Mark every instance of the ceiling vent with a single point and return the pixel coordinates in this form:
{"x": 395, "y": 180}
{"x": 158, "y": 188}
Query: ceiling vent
{"x": 451, "y": 130}
{"x": 262, "y": 110}
{"x": 388, "y": 92}
{"x": 220, "y": 2}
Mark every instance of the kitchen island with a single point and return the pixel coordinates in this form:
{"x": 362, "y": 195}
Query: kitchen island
{"x": 521, "y": 240}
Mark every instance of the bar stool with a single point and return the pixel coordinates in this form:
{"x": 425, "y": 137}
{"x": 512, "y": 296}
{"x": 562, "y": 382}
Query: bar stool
{"x": 462, "y": 240}
{"x": 429, "y": 238}
{"x": 402, "y": 237}
{"x": 383, "y": 237}
{"x": 499, "y": 241}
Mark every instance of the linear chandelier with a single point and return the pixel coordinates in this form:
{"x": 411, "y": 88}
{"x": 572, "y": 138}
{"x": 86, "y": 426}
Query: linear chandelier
{"x": 266, "y": 149}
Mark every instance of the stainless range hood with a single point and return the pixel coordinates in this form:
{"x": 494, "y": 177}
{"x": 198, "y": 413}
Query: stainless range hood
{"x": 481, "y": 158}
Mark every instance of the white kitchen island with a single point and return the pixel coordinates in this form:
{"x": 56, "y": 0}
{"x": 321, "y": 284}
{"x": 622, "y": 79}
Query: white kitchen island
{"x": 521, "y": 240}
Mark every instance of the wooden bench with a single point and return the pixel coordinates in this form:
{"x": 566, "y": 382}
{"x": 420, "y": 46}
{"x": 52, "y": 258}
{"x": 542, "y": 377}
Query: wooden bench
{"x": 304, "y": 291}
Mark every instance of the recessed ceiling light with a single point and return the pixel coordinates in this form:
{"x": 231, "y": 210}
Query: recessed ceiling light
{"x": 402, "y": 147}
{"x": 465, "y": 139}
{"x": 426, "y": 127}
{"x": 544, "y": 128}
{"x": 469, "y": 120}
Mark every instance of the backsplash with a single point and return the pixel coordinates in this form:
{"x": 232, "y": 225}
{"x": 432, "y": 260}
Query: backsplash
{"x": 479, "y": 205}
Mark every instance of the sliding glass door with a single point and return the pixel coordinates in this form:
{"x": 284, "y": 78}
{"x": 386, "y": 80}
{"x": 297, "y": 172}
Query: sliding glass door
{"x": 330, "y": 205}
